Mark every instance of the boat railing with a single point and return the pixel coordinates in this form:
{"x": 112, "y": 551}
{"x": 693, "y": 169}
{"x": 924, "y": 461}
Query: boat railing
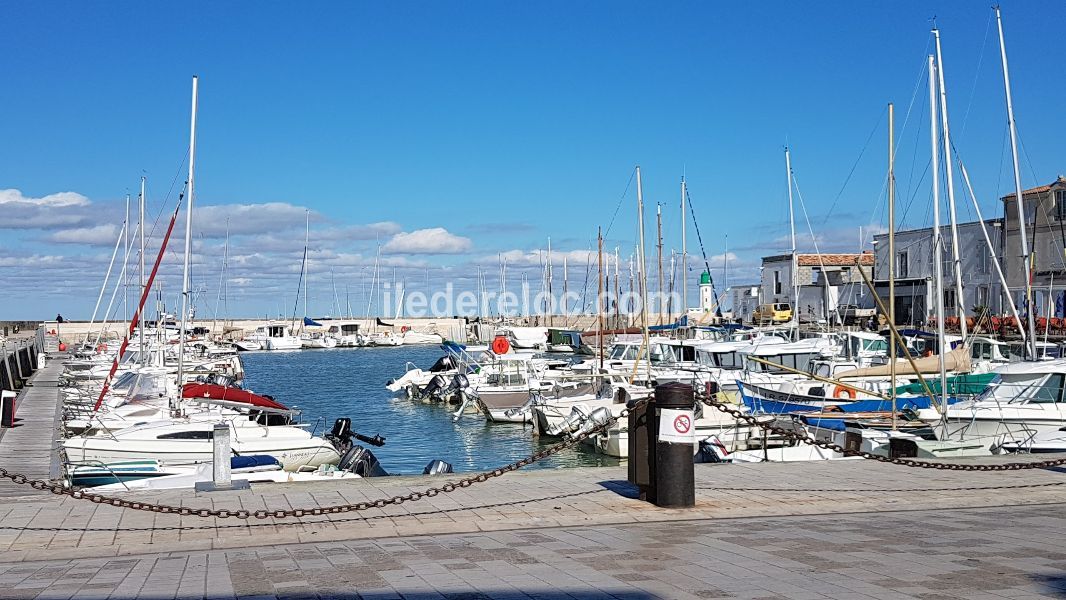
{"x": 92, "y": 463}
{"x": 314, "y": 426}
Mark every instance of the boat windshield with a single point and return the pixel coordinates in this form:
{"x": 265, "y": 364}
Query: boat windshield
{"x": 147, "y": 387}
{"x": 124, "y": 381}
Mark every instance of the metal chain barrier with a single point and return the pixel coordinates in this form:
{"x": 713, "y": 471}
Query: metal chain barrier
{"x": 185, "y": 511}
{"x": 907, "y": 462}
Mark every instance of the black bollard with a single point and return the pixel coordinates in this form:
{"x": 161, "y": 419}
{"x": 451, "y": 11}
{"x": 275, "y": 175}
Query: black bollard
{"x": 674, "y": 473}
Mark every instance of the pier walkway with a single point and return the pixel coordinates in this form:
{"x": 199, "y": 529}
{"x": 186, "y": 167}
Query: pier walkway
{"x": 841, "y": 529}
{"x": 28, "y": 447}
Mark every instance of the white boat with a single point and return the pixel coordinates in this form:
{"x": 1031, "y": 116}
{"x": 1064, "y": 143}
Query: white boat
{"x": 1027, "y": 401}
{"x": 346, "y": 334}
{"x": 274, "y": 336}
{"x": 186, "y": 441}
{"x": 384, "y": 338}
{"x": 526, "y": 338}
{"x": 203, "y": 473}
{"x": 317, "y": 339}
{"x": 411, "y": 337}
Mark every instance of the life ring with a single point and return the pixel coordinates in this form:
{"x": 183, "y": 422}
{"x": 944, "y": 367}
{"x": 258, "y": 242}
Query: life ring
{"x": 405, "y": 329}
{"x": 843, "y": 392}
{"x": 500, "y": 345}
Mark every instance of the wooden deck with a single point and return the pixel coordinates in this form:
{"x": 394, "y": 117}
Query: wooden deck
{"x": 28, "y": 447}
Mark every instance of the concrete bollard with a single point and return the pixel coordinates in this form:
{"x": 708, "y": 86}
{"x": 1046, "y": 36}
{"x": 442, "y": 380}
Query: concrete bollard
{"x": 674, "y": 438}
{"x": 222, "y": 450}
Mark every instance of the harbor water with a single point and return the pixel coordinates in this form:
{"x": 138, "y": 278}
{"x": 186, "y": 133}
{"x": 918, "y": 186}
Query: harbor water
{"x": 350, "y": 382}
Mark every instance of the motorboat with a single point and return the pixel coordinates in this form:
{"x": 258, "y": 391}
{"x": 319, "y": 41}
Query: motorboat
{"x": 1024, "y": 403}
{"x": 317, "y": 339}
{"x": 186, "y": 441}
{"x": 272, "y": 336}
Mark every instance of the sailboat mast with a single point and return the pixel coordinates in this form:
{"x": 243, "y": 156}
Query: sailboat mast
{"x": 125, "y": 263}
{"x": 566, "y": 291}
{"x": 1019, "y": 199}
{"x": 140, "y": 238}
{"x": 960, "y": 302}
{"x": 643, "y": 278}
{"x": 684, "y": 252}
{"x": 938, "y": 263}
{"x": 599, "y": 294}
{"x": 548, "y": 308}
{"x": 617, "y": 291}
{"x": 792, "y": 228}
{"x": 188, "y": 241}
{"x": 307, "y": 235}
{"x": 892, "y": 258}
{"x": 659, "y": 259}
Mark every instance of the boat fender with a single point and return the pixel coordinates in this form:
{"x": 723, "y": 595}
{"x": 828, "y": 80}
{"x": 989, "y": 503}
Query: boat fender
{"x": 843, "y": 392}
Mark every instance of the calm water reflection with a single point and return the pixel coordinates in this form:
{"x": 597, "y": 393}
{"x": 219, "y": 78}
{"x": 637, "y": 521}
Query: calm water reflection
{"x": 350, "y": 382}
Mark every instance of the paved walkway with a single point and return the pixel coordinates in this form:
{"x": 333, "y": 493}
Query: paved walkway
{"x": 43, "y": 526}
{"x": 1006, "y": 552}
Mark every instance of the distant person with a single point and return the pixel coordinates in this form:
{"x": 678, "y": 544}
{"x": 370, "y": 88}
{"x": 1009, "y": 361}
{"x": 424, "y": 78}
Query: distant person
{"x": 59, "y": 318}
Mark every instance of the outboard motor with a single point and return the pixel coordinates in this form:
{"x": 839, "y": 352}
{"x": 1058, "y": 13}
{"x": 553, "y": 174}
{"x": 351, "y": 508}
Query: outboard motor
{"x": 599, "y": 417}
{"x": 437, "y": 467}
{"x": 342, "y": 430}
{"x": 534, "y": 398}
{"x": 362, "y": 462}
{"x": 571, "y": 424}
{"x": 433, "y": 388}
{"x": 444, "y": 363}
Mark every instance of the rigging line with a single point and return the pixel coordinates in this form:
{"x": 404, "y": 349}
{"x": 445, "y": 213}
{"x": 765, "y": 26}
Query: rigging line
{"x": 910, "y": 107}
{"x": 917, "y": 188}
{"x": 303, "y": 265}
{"x": 855, "y": 165}
{"x": 618, "y": 206}
{"x": 817, "y": 251}
{"x": 703, "y": 251}
{"x": 977, "y": 74}
{"x": 170, "y": 193}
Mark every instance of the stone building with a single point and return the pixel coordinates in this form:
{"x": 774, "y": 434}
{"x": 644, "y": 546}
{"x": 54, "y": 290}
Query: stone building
{"x": 914, "y": 271}
{"x": 1045, "y": 226}
{"x": 825, "y": 281}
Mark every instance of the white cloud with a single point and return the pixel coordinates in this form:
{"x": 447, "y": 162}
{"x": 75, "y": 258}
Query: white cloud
{"x": 35, "y": 260}
{"x": 242, "y": 219}
{"x": 100, "y": 235}
{"x": 436, "y": 240}
{"x": 63, "y": 209}
{"x": 13, "y": 196}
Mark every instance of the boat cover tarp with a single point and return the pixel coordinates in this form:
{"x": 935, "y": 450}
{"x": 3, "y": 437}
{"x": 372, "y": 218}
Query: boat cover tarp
{"x": 968, "y": 384}
{"x": 958, "y": 360}
{"x": 211, "y": 391}
{"x": 309, "y": 322}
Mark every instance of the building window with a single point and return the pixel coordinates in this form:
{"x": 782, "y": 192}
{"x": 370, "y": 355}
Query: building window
{"x": 982, "y": 296}
{"x": 1060, "y": 205}
{"x": 902, "y": 263}
{"x": 777, "y": 282}
{"x": 949, "y": 302}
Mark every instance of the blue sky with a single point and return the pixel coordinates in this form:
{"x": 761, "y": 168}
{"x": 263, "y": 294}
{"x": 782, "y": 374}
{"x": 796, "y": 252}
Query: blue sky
{"x": 449, "y": 133}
